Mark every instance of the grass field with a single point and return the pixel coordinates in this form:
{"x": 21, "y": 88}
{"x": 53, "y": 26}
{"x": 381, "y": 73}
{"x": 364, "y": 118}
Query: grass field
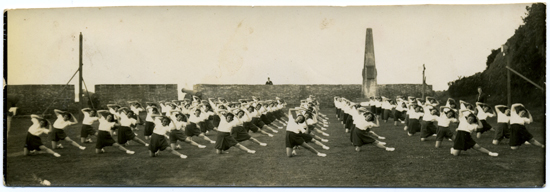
{"x": 412, "y": 164}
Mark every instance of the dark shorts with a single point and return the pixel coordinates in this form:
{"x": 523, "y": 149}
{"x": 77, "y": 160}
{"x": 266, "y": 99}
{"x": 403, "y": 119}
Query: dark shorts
{"x": 177, "y": 135}
{"x": 463, "y": 141}
{"x": 33, "y": 142}
{"x": 444, "y": 132}
{"x": 502, "y": 131}
{"x": 249, "y": 126}
{"x": 240, "y": 133}
{"x": 414, "y": 126}
{"x": 307, "y": 137}
{"x": 86, "y": 130}
{"x": 361, "y": 137}
{"x": 191, "y": 130}
{"x": 265, "y": 119}
{"x": 349, "y": 122}
{"x": 379, "y": 111}
{"x": 104, "y": 139}
{"x": 258, "y": 122}
{"x": 293, "y": 139}
{"x": 224, "y": 141}
{"x": 519, "y": 134}
{"x": 124, "y": 134}
{"x": 486, "y": 127}
{"x": 387, "y": 114}
{"x": 57, "y": 134}
{"x": 148, "y": 130}
{"x": 428, "y": 129}
{"x": 158, "y": 142}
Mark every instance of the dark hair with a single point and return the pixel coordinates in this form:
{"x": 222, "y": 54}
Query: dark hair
{"x": 472, "y": 115}
{"x": 46, "y": 123}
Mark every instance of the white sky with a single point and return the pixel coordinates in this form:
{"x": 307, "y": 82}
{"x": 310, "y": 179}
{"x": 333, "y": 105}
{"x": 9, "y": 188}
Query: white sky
{"x": 245, "y": 45}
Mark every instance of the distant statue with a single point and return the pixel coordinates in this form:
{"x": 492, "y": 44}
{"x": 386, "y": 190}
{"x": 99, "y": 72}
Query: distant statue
{"x": 268, "y": 82}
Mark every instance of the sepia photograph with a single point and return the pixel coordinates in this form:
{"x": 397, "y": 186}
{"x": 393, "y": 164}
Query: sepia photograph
{"x": 317, "y": 96}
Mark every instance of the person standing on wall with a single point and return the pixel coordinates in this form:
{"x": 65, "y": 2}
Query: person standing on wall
{"x": 481, "y": 97}
{"x": 268, "y": 82}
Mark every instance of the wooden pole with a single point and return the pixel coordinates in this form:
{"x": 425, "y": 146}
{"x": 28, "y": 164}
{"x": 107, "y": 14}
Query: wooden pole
{"x": 509, "y": 87}
{"x": 80, "y": 74}
{"x": 526, "y": 79}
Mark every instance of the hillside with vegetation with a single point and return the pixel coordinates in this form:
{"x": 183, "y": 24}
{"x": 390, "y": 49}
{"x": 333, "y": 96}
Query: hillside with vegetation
{"x": 526, "y": 54}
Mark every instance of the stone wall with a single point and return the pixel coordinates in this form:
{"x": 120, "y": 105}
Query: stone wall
{"x": 120, "y": 93}
{"x": 415, "y": 90}
{"x": 292, "y": 94}
{"x": 34, "y": 99}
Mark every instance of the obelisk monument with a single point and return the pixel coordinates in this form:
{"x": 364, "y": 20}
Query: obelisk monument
{"x": 370, "y": 86}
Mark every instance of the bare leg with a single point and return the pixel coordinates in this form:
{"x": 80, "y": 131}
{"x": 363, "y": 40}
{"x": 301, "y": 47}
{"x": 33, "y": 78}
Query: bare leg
{"x": 455, "y": 152}
{"x": 82, "y": 139}
{"x": 244, "y": 148}
{"x": 74, "y": 143}
{"x": 437, "y": 144}
{"x": 122, "y": 148}
{"x": 54, "y": 144}
{"x": 536, "y": 143}
{"x": 319, "y": 138}
{"x": 190, "y": 141}
{"x": 258, "y": 142}
{"x": 478, "y": 135}
{"x": 206, "y": 138}
{"x": 265, "y": 133}
{"x": 176, "y": 152}
{"x": 289, "y": 152}
{"x": 138, "y": 140}
{"x": 320, "y": 144}
{"x": 271, "y": 129}
{"x": 48, "y": 150}
{"x": 305, "y": 145}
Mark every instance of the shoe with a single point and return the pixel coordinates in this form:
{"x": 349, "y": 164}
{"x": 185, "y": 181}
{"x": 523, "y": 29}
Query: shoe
{"x": 82, "y": 147}
{"x": 178, "y": 147}
{"x": 251, "y": 151}
{"x": 56, "y": 155}
{"x": 136, "y": 134}
{"x": 347, "y": 130}
{"x": 263, "y": 144}
{"x": 326, "y": 147}
{"x": 207, "y": 132}
{"x": 32, "y": 152}
{"x": 270, "y": 135}
{"x": 102, "y": 150}
{"x": 59, "y": 146}
{"x": 357, "y": 149}
{"x": 493, "y": 154}
{"x": 324, "y": 140}
{"x": 381, "y": 138}
{"x": 275, "y": 131}
{"x": 527, "y": 143}
{"x": 405, "y": 128}
{"x": 435, "y": 135}
{"x": 130, "y": 152}
{"x": 409, "y": 134}
{"x": 212, "y": 142}
{"x": 321, "y": 154}
{"x": 294, "y": 153}
{"x": 450, "y": 139}
{"x": 183, "y": 156}
{"x": 452, "y": 150}
{"x": 326, "y": 134}
{"x": 89, "y": 140}
{"x": 382, "y": 143}
{"x": 146, "y": 144}
{"x": 201, "y": 146}
{"x": 390, "y": 149}
{"x": 280, "y": 127}
{"x": 323, "y": 129}
{"x": 157, "y": 153}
